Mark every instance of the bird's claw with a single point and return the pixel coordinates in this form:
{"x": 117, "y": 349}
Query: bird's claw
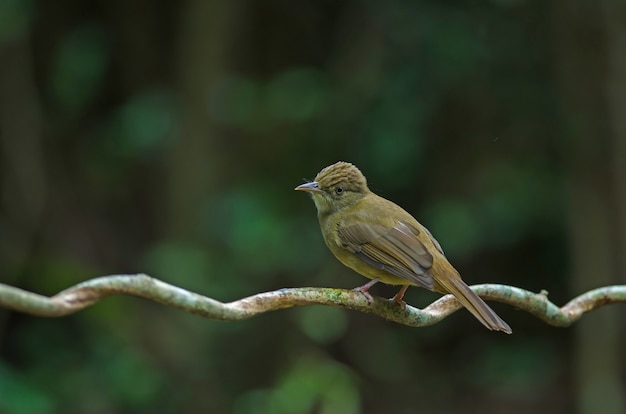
{"x": 365, "y": 293}
{"x": 400, "y": 302}
{"x": 365, "y": 290}
{"x": 398, "y": 297}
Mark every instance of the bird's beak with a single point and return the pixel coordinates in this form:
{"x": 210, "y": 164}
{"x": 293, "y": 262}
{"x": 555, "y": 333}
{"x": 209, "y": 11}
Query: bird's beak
{"x": 311, "y": 187}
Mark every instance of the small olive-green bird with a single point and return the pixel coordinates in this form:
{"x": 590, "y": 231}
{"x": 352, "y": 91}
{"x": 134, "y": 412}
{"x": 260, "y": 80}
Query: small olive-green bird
{"x": 381, "y": 241}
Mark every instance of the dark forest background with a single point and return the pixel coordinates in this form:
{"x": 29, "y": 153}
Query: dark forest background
{"x": 167, "y": 137}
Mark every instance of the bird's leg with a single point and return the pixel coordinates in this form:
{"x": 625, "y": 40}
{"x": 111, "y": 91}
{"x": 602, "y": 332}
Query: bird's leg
{"x": 398, "y": 297}
{"x": 365, "y": 289}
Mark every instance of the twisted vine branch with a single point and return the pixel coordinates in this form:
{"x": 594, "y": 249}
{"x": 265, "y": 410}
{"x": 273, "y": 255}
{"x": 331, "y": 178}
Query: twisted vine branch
{"x": 91, "y": 291}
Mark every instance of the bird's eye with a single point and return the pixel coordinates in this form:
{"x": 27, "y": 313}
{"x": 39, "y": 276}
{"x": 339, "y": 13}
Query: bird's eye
{"x": 339, "y": 190}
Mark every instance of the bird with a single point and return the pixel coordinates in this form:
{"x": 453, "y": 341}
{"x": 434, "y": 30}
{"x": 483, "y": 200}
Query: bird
{"x": 381, "y": 241}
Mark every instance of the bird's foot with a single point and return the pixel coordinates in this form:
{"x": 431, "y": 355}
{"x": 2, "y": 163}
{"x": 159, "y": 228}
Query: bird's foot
{"x": 400, "y": 302}
{"x": 365, "y": 293}
{"x": 398, "y": 297}
{"x": 365, "y": 290}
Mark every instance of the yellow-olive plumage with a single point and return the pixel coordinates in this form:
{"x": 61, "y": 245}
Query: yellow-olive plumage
{"x": 381, "y": 241}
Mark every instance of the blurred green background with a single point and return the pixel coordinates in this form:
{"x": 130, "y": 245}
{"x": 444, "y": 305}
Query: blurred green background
{"x": 167, "y": 137}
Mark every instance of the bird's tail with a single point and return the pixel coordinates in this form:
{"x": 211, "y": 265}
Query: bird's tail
{"x": 474, "y": 304}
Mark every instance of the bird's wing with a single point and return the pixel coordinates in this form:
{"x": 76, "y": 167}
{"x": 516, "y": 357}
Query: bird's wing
{"x": 396, "y": 250}
{"x": 435, "y": 242}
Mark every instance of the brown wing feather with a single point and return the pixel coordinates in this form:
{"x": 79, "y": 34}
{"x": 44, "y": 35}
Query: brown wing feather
{"x": 435, "y": 242}
{"x": 396, "y": 250}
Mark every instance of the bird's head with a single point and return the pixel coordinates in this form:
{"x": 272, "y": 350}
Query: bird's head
{"x": 336, "y": 187}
